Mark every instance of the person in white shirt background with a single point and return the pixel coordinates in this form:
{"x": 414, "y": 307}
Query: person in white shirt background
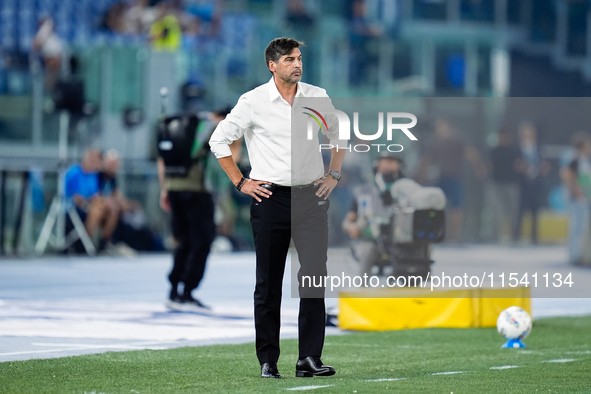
{"x": 533, "y": 168}
{"x": 577, "y": 179}
{"x": 50, "y": 48}
{"x": 263, "y": 117}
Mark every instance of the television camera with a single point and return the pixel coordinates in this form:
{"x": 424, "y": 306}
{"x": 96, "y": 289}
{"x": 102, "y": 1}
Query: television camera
{"x": 404, "y": 231}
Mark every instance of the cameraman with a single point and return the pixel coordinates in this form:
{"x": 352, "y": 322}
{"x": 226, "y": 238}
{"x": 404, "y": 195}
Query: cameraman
{"x": 185, "y": 196}
{"x": 370, "y": 212}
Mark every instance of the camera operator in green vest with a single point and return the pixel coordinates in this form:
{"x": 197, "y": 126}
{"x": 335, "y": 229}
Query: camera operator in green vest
{"x": 183, "y": 156}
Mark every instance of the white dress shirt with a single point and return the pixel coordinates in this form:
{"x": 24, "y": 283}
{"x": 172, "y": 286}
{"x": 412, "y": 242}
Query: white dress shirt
{"x": 263, "y": 117}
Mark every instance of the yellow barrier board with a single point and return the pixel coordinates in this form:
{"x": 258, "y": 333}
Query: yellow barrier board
{"x": 398, "y": 309}
{"x": 552, "y": 227}
{"x": 490, "y": 306}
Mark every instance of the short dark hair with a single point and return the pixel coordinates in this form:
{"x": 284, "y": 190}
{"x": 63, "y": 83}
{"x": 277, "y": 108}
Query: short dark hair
{"x": 279, "y": 47}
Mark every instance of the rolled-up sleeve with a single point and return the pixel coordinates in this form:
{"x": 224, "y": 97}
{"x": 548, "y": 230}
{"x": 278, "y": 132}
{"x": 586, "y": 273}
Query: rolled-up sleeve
{"x": 231, "y": 129}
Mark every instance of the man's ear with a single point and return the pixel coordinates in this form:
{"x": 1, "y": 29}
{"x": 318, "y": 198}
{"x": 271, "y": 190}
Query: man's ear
{"x": 272, "y": 66}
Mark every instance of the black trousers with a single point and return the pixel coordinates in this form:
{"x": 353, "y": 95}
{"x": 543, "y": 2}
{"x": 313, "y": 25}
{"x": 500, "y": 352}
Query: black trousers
{"x": 530, "y": 199}
{"x": 194, "y": 229}
{"x": 298, "y": 214}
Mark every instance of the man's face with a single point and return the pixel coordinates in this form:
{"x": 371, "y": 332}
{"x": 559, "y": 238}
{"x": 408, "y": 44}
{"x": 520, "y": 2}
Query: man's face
{"x": 92, "y": 161}
{"x": 112, "y": 165}
{"x": 443, "y": 129}
{"x": 289, "y": 67}
{"x": 527, "y": 133}
{"x": 388, "y": 166}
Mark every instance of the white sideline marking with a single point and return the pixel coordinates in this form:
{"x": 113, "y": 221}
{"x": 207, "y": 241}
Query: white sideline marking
{"x": 505, "y": 367}
{"x": 309, "y": 387}
{"x": 369, "y": 345}
{"x": 560, "y": 360}
{"x": 355, "y": 344}
{"x": 37, "y": 351}
{"x": 138, "y": 345}
{"x": 580, "y": 352}
{"x": 447, "y": 373}
{"x": 383, "y": 379}
{"x": 74, "y": 346}
{"x": 129, "y": 321}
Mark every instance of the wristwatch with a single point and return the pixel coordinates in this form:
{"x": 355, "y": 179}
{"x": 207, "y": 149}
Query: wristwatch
{"x": 335, "y": 175}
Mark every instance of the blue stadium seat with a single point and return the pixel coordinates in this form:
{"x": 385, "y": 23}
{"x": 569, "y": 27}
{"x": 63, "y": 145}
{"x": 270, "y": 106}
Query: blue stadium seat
{"x": 7, "y": 28}
{"x": 9, "y": 5}
{"x": 8, "y": 11}
{"x": 26, "y": 21}
{"x": 82, "y": 38}
{"x": 25, "y": 42}
{"x": 25, "y": 6}
{"x": 8, "y": 43}
{"x": 236, "y": 32}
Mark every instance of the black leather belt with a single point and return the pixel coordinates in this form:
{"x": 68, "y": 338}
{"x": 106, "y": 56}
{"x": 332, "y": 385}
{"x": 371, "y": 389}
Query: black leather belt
{"x": 300, "y": 188}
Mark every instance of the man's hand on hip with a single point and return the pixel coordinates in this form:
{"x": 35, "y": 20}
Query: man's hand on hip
{"x": 327, "y": 184}
{"x": 255, "y": 189}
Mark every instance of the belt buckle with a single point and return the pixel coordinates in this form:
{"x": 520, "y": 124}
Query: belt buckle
{"x": 306, "y": 187}
{"x": 271, "y": 187}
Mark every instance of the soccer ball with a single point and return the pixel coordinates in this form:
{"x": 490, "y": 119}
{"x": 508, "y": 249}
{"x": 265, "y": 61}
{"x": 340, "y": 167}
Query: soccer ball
{"x": 514, "y": 323}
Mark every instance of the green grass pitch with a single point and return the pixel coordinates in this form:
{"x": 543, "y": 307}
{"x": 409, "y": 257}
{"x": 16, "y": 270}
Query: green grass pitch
{"x": 557, "y": 359}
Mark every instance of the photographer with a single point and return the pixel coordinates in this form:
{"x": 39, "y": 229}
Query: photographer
{"x": 82, "y": 186}
{"x": 370, "y": 211}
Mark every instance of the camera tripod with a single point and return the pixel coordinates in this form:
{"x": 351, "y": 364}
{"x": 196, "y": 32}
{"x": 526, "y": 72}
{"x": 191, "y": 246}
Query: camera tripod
{"x": 54, "y": 228}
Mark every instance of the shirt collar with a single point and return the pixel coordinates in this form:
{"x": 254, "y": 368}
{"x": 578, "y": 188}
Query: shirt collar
{"x": 274, "y": 92}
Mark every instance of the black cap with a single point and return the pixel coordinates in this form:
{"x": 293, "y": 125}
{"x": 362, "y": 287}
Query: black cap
{"x": 389, "y": 156}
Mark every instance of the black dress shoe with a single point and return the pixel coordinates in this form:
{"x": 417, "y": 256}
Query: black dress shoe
{"x": 312, "y": 366}
{"x": 269, "y": 370}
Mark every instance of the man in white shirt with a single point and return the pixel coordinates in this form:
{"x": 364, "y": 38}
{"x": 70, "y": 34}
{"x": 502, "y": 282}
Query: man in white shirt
{"x": 263, "y": 117}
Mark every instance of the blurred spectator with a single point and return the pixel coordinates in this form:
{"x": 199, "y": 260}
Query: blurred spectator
{"x": 226, "y": 206}
{"x": 83, "y": 187}
{"x": 362, "y": 32}
{"x": 297, "y": 15}
{"x": 49, "y": 46}
{"x": 208, "y": 15}
{"x": 505, "y": 190}
{"x": 185, "y": 20}
{"x": 108, "y": 175}
{"x": 140, "y": 16}
{"x": 165, "y": 33}
{"x": 447, "y": 154}
{"x": 108, "y": 184}
{"x": 532, "y": 169}
{"x": 216, "y": 18}
{"x": 132, "y": 230}
{"x": 577, "y": 179}
{"x": 115, "y": 20}
{"x": 302, "y": 24}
